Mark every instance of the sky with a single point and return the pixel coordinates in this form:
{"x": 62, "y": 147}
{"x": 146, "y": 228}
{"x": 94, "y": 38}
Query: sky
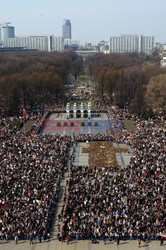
{"x": 92, "y": 20}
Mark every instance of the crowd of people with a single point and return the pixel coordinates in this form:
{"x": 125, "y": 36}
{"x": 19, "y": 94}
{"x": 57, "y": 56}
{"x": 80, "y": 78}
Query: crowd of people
{"x": 30, "y": 174}
{"x": 107, "y": 202}
{"x": 99, "y": 203}
{"x": 127, "y": 202}
{"x": 31, "y": 167}
{"x": 103, "y": 203}
{"x": 92, "y": 137}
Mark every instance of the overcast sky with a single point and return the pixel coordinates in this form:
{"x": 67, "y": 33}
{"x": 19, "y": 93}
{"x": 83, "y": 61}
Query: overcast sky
{"x": 92, "y": 20}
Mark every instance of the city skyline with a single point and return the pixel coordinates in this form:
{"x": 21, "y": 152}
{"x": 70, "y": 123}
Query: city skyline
{"x": 91, "y": 21}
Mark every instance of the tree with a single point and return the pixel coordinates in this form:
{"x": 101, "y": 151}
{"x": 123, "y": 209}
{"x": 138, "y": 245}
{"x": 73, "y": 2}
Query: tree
{"x": 156, "y": 92}
{"x": 101, "y": 82}
{"x": 77, "y": 67}
{"x": 41, "y": 76}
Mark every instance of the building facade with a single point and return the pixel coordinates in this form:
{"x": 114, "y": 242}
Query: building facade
{"x": 66, "y": 29}
{"x": 6, "y": 31}
{"x": 163, "y": 62}
{"x": 78, "y": 110}
{"x": 57, "y": 44}
{"x": 147, "y": 44}
{"x": 132, "y": 44}
{"x": 41, "y": 43}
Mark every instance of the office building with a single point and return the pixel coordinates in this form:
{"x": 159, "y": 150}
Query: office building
{"x": 66, "y": 29}
{"x": 132, "y": 44}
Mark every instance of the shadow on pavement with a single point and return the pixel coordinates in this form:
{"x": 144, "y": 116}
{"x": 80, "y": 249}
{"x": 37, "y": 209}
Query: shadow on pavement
{"x": 73, "y": 242}
{"x": 122, "y": 243}
{"x": 109, "y": 243}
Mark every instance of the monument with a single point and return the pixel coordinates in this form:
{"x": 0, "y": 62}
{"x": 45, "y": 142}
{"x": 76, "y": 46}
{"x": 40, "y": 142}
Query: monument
{"x": 78, "y": 110}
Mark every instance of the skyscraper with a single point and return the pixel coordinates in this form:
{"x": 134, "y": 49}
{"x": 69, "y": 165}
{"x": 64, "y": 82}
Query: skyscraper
{"x": 66, "y": 29}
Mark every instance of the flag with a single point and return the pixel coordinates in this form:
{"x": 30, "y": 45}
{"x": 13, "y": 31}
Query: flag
{"x": 24, "y": 113}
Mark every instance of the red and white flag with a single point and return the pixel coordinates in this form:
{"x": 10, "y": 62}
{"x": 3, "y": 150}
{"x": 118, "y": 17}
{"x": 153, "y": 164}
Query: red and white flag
{"x": 24, "y": 113}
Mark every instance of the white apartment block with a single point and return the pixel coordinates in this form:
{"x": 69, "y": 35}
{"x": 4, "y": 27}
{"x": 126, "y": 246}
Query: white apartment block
{"x": 57, "y": 44}
{"x": 147, "y": 44}
{"x": 132, "y": 44}
{"x": 163, "y": 62}
{"x": 41, "y": 43}
{"x": 6, "y": 31}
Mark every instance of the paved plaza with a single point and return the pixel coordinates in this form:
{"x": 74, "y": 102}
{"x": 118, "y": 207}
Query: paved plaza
{"x": 123, "y": 159}
{"x": 82, "y": 159}
{"x": 80, "y": 245}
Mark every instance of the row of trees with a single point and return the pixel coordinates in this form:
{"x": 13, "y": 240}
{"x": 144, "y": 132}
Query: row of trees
{"x": 134, "y": 80}
{"x": 37, "y": 78}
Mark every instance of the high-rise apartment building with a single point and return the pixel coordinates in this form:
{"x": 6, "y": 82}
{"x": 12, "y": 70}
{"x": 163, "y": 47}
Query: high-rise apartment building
{"x": 132, "y": 44}
{"x": 147, "y": 44}
{"x": 6, "y": 31}
{"x": 41, "y": 43}
{"x": 66, "y": 29}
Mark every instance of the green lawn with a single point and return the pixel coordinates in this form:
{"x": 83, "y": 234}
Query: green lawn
{"x": 27, "y": 126}
{"x": 83, "y": 78}
{"x": 129, "y": 125}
